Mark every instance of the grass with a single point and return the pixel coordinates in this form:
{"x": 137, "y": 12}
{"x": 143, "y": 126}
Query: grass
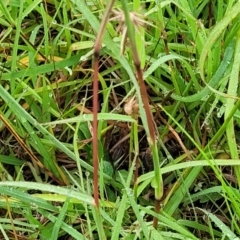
{"x": 188, "y": 54}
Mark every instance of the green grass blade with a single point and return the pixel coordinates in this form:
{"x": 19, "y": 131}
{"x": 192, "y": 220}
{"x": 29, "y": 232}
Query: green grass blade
{"x": 50, "y": 188}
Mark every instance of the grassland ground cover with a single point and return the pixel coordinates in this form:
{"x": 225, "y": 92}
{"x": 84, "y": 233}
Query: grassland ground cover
{"x": 175, "y": 176}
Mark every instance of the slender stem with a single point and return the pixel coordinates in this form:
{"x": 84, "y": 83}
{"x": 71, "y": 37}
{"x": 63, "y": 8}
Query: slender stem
{"x": 150, "y": 122}
{"x": 137, "y": 63}
{"x": 97, "y": 48}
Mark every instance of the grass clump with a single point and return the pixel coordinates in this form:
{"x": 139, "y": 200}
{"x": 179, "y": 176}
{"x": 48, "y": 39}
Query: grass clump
{"x": 166, "y": 138}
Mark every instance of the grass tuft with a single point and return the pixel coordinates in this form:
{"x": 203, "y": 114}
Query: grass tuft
{"x": 164, "y": 121}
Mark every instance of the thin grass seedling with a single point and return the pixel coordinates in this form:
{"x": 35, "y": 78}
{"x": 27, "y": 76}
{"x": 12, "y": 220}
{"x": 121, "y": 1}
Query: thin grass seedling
{"x": 11, "y": 219}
